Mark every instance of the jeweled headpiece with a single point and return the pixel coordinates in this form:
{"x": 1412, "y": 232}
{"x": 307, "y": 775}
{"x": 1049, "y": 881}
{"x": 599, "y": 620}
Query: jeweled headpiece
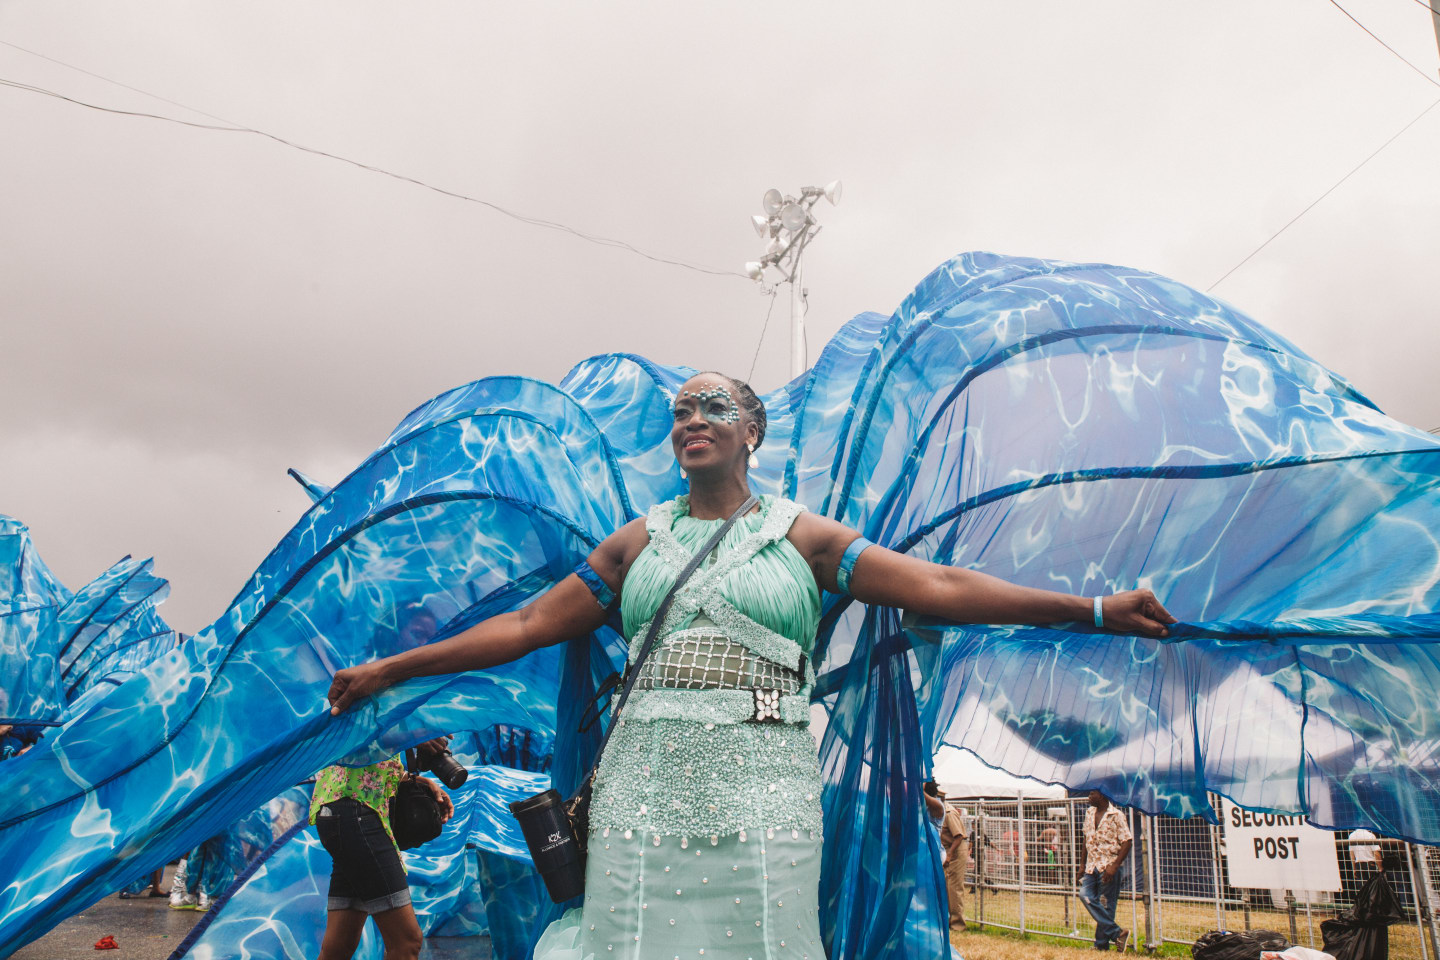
{"x": 729, "y": 413}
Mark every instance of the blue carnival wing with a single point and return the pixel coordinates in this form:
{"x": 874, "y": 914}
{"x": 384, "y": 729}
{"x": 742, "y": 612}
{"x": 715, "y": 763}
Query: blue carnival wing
{"x": 506, "y": 486}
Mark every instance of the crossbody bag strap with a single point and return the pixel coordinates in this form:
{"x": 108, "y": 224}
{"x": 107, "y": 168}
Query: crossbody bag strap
{"x": 633, "y": 674}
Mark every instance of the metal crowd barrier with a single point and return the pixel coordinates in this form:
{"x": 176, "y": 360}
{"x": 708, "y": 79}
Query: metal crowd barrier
{"x": 1025, "y": 854}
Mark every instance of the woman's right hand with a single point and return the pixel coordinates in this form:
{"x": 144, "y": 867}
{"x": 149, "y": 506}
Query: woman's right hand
{"x": 355, "y": 683}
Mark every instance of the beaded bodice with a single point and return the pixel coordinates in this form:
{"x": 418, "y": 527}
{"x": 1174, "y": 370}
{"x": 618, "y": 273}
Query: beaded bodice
{"x": 756, "y": 588}
{"x": 688, "y": 758}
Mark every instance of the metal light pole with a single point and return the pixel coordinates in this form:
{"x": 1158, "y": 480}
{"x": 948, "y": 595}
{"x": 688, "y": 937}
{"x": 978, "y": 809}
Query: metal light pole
{"x": 798, "y": 358}
{"x": 788, "y": 226}
{"x": 1435, "y": 16}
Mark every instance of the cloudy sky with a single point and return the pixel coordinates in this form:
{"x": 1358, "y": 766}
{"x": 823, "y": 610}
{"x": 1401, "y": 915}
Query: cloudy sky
{"x": 185, "y": 313}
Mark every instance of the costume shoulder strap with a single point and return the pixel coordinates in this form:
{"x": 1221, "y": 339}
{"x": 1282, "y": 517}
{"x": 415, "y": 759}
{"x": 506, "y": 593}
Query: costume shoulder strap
{"x": 779, "y": 515}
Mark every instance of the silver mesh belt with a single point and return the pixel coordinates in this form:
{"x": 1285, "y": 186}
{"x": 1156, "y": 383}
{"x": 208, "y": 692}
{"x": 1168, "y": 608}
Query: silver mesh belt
{"x": 713, "y": 663}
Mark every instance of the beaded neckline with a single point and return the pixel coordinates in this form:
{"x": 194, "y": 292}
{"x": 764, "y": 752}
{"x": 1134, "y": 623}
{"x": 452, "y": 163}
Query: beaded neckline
{"x": 702, "y": 594}
{"x": 680, "y": 510}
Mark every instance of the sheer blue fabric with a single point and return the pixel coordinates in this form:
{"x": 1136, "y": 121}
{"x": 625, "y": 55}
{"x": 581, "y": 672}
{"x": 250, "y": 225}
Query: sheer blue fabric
{"x": 31, "y": 597}
{"x": 475, "y": 878}
{"x": 314, "y": 489}
{"x": 1080, "y": 427}
{"x": 111, "y": 626}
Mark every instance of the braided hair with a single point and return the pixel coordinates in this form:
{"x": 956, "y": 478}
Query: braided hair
{"x": 748, "y": 401}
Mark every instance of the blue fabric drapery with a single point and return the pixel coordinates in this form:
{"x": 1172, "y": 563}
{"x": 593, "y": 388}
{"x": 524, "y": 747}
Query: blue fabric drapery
{"x": 31, "y": 597}
{"x": 111, "y": 626}
{"x": 473, "y": 879}
{"x": 1080, "y": 427}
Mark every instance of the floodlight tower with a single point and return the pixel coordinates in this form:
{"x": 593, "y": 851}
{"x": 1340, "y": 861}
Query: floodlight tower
{"x": 787, "y": 227}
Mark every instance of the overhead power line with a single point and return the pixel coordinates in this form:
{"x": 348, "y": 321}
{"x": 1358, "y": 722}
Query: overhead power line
{"x": 228, "y": 126}
{"x": 756, "y": 359}
{"x": 113, "y": 82}
{"x": 1322, "y": 196}
{"x": 1396, "y": 53}
{"x": 1251, "y": 255}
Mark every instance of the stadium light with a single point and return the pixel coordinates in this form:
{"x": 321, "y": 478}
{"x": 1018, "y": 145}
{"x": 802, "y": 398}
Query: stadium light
{"x": 788, "y": 225}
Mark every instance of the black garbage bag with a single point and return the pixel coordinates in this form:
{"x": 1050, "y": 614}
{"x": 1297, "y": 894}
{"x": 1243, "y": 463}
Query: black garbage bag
{"x": 1237, "y": 944}
{"x": 1363, "y": 931}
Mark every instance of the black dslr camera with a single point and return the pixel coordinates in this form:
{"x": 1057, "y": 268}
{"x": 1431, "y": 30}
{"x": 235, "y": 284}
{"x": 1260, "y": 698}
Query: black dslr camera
{"x": 444, "y": 765}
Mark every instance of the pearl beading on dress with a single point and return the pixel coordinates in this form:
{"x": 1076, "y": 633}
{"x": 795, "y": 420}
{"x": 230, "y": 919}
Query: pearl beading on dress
{"x": 682, "y": 779}
{"x": 786, "y": 929}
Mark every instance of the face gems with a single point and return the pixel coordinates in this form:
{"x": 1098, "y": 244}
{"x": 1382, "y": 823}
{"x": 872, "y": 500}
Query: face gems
{"x": 714, "y": 403}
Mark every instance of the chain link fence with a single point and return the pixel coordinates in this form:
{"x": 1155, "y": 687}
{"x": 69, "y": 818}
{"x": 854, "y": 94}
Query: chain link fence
{"x": 1026, "y": 857}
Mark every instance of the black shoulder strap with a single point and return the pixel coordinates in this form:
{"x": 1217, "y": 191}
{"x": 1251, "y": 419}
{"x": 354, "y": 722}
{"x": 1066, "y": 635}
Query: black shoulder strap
{"x": 632, "y": 674}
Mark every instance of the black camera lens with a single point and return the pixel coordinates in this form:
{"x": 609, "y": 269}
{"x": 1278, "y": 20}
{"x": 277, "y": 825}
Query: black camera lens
{"x": 448, "y": 770}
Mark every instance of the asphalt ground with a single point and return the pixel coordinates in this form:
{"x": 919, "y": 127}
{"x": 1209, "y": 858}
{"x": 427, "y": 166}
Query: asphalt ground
{"x": 147, "y": 929}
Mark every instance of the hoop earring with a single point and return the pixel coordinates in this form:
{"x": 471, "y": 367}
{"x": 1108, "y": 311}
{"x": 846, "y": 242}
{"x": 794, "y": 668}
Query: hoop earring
{"x": 752, "y": 463}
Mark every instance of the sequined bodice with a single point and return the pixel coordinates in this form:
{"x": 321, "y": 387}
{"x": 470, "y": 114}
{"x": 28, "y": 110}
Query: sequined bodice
{"x": 756, "y": 589}
{"x": 714, "y": 739}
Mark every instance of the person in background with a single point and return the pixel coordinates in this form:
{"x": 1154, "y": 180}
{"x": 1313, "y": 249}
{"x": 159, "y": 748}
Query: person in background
{"x": 200, "y": 877}
{"x": 955, "y": 839}
{"x": 16, "y": 739}
{"x": 1107, "y": 844}
{"x": 1050, "y": 852}
{"x": 138, "y": 888}
{"x": 1364, "y": 863}
{"x": 934, "y": 806}
{"x": 351, "y": 811}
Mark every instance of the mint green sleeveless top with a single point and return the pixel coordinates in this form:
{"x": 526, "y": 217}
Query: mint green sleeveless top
{"x": 756, "y": 587}
{"x": 688, "y": 762}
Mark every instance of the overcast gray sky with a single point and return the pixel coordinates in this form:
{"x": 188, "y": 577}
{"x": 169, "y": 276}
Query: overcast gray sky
{"x": 186, "y": 313}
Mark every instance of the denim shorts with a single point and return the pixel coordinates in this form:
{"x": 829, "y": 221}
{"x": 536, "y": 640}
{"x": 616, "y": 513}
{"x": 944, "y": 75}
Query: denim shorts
{"x": 367, "y": 874}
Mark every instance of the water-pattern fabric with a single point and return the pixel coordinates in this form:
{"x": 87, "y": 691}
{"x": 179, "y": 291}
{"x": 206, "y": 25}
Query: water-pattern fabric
{"x": 56, "y": 647}
{"x": 31, "y": 597}
{"x": 473, "y": 879}
{"x": 111, "y": 626}
{"x": 1082, "y": 427}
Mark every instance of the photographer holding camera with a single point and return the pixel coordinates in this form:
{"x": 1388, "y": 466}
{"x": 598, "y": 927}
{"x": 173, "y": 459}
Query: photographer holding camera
{"x": 351, "y": 808}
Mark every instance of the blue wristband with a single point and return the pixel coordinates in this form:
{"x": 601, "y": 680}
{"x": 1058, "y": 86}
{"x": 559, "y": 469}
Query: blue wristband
{"x": 847, "y": 562}
{"x": 1099, "y": 613}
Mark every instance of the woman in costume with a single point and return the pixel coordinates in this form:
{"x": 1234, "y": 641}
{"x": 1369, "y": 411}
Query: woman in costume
{"x": 706, "y": 817}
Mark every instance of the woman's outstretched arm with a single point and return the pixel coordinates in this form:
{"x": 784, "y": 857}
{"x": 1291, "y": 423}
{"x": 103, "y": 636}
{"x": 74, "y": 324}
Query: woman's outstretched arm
{"x": 965, "y": 596}
{"x": 567, "y": 610}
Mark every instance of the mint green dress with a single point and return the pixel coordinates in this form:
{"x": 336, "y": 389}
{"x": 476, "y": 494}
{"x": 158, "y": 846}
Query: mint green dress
{"x": 705, "y": 823}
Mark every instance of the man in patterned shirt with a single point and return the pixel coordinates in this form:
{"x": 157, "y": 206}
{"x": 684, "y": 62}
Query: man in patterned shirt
{"x": 1107, "y": 844}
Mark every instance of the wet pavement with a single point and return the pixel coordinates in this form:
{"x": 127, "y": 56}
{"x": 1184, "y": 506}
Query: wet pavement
{"x": 147, "y": 929}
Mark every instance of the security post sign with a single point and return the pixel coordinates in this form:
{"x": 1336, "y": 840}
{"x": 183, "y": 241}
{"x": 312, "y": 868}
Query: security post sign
{"x": 1276, "y": 851}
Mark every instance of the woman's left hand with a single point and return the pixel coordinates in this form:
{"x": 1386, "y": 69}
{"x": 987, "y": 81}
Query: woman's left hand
{"x": 1136, "y": 611}
{"x": 447, "y": 808}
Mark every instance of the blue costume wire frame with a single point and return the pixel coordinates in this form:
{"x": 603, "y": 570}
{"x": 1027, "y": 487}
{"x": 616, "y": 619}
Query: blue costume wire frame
{"x": 1080, "y": 427}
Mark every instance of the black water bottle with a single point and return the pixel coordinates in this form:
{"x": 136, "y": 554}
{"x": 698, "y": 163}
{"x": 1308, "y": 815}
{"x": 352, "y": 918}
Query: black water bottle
{"x": 553, "y": 847}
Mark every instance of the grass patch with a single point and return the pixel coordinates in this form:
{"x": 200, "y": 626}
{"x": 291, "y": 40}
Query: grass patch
{"x": 997, "y": 943}
{"x": 1049, "y": 917}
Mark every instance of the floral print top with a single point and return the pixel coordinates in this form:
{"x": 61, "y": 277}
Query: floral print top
{"x": 373, "y": 786}
{"x": 1104, "y": 840}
